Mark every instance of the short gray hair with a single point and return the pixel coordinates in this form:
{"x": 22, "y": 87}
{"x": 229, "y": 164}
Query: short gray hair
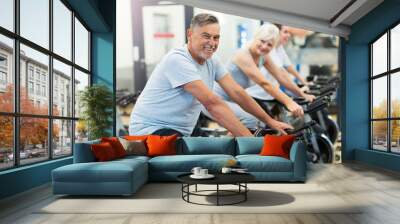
{"x": 203, "y": 19}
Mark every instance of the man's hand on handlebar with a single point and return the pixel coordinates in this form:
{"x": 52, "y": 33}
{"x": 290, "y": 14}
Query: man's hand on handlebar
{"x": 280, "y": 126}
{"x": 295, "y": 109}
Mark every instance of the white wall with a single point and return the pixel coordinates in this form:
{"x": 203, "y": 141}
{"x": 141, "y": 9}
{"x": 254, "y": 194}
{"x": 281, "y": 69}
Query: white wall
{"x": 156, "y": 48}
{"x": 229, "y": 33}
{"x": 125, "y": 79}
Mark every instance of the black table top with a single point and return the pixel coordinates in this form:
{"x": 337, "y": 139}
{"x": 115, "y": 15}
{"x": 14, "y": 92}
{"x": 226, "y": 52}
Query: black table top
{"x": 220, "y": 178}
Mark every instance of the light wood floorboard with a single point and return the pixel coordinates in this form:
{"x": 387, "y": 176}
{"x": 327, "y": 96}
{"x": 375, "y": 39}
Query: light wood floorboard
{"x": 376, "y": 189}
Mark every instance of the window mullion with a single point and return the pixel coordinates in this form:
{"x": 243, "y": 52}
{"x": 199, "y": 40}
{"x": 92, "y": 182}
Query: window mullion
{"x": 16, "y": 84}
{"x": 50, "y": 81}
{"x": 389, "y": 104}
{"x": 73, "y": 82}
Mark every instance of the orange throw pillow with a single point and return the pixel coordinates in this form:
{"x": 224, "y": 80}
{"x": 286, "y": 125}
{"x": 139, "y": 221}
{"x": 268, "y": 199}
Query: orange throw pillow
{"x": 136, "y": 137}
{"x": 103, "y": 152}
{"x": 161, "y": 145}
{"x": 116, "y": 145}
{"x": 277, "y": 145}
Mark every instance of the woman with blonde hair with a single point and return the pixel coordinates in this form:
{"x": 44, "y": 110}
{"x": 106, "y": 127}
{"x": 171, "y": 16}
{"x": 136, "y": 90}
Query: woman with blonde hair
{"x": 245, "y": 65}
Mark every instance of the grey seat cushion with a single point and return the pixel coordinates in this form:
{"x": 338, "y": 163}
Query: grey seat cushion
{"x": 184, "y": 163}
{"x": 257, "y": 163}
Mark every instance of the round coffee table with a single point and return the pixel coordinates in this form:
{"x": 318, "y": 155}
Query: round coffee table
{"x": 238, "y": 179}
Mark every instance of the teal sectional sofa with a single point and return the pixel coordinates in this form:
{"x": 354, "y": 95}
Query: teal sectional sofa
{"x": 125, "y": 176}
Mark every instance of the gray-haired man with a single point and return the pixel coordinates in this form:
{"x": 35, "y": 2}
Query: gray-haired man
{"x": 171, "y": 100}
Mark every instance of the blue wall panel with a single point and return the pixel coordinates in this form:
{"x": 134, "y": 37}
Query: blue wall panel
{"x": 102, "y": 58}
{"x": 24, "y": 178}
{"x": 356, "y": 79}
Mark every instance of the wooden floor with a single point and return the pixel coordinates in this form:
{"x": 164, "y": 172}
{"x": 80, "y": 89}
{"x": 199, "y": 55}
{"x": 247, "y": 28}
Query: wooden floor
{"x": 378, "y": 189}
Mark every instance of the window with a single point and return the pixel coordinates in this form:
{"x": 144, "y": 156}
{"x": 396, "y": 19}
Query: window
{"x": 38, "y": 89}
{"x": 62, "y": 140}
{"x": 35, "y": 21}
{"x": 62, "y": 74}
{"x": 81, "y": 81}
{"x": 385, "y": 97}
{"x": 44, "y": 91}
{"x": 6, "y": 143}
{"x": 81, "y": 45}
{"x": 3, "y": 61}
{"x": 30, "y": 87}
{"x": 7, "y": 14}
{"x": 6, "y": 73}
{"x": 30, "y": 72}
{"x": 37, "y": 75}
{"x": 54, "y": 125}
{"x": 3, "y": 78}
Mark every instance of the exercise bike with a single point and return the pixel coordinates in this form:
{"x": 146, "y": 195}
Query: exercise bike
{"x": 319, "y": 146}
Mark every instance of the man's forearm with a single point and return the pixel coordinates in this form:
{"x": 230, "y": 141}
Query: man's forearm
{"x": 225, "y": 117}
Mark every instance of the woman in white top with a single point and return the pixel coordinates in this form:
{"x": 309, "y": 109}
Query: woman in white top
{"x": 245, "y": 66}
{"x": 278, "y": 57}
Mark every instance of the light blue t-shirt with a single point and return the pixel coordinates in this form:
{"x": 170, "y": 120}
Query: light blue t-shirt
{"x": 164, "y": 103}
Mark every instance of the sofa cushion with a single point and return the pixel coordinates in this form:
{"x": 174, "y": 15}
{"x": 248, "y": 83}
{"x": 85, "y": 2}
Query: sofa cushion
{"x": 131, "y": 158}
{"x": 112, "y": 171}
{"x": 277, "y": 145}
{"x": 134, "y": 147}
{"x": 83, "y": 153}
{"x": 206, "y": 145}
{"x": 185, "y": 163}
{"x": 116, "y": 145}
{"x": 103, "y": 152}
{"x": 161, "y": 145}
{"x": 136, "y": 137}
{"x": 249, "y": 145}
{"x": 257, "y": 163}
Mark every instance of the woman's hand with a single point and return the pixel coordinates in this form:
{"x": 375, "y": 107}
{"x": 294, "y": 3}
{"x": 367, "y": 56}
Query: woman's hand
{"x": 309, "y": 97}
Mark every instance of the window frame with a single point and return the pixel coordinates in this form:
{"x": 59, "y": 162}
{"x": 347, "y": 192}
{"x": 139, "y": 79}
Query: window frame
{"x": 16, "y": 114}
{"x": 388, "y": 74}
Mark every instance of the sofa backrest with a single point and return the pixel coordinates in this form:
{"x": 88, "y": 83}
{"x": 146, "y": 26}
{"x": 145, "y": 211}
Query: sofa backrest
{"x": 83, "y": 152}
{"x": 206, "y": 145}
{"x": 249, "y": 145}
{"x": 190, "y": 146}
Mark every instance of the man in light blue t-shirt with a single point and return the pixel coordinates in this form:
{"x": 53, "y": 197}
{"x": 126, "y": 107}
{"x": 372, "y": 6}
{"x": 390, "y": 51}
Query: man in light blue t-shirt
{"x": 171, "y": 100}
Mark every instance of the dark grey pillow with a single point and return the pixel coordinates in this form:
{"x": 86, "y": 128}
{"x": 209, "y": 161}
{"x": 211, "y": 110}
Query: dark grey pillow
{"x": 134, "y": 147}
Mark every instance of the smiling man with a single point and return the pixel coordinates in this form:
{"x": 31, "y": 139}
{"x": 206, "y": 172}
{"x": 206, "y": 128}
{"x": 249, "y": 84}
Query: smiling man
{"x": 183, "y": 80}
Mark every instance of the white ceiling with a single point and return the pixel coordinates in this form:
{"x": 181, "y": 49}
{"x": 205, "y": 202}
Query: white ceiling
{"x": 316, "y": 15}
